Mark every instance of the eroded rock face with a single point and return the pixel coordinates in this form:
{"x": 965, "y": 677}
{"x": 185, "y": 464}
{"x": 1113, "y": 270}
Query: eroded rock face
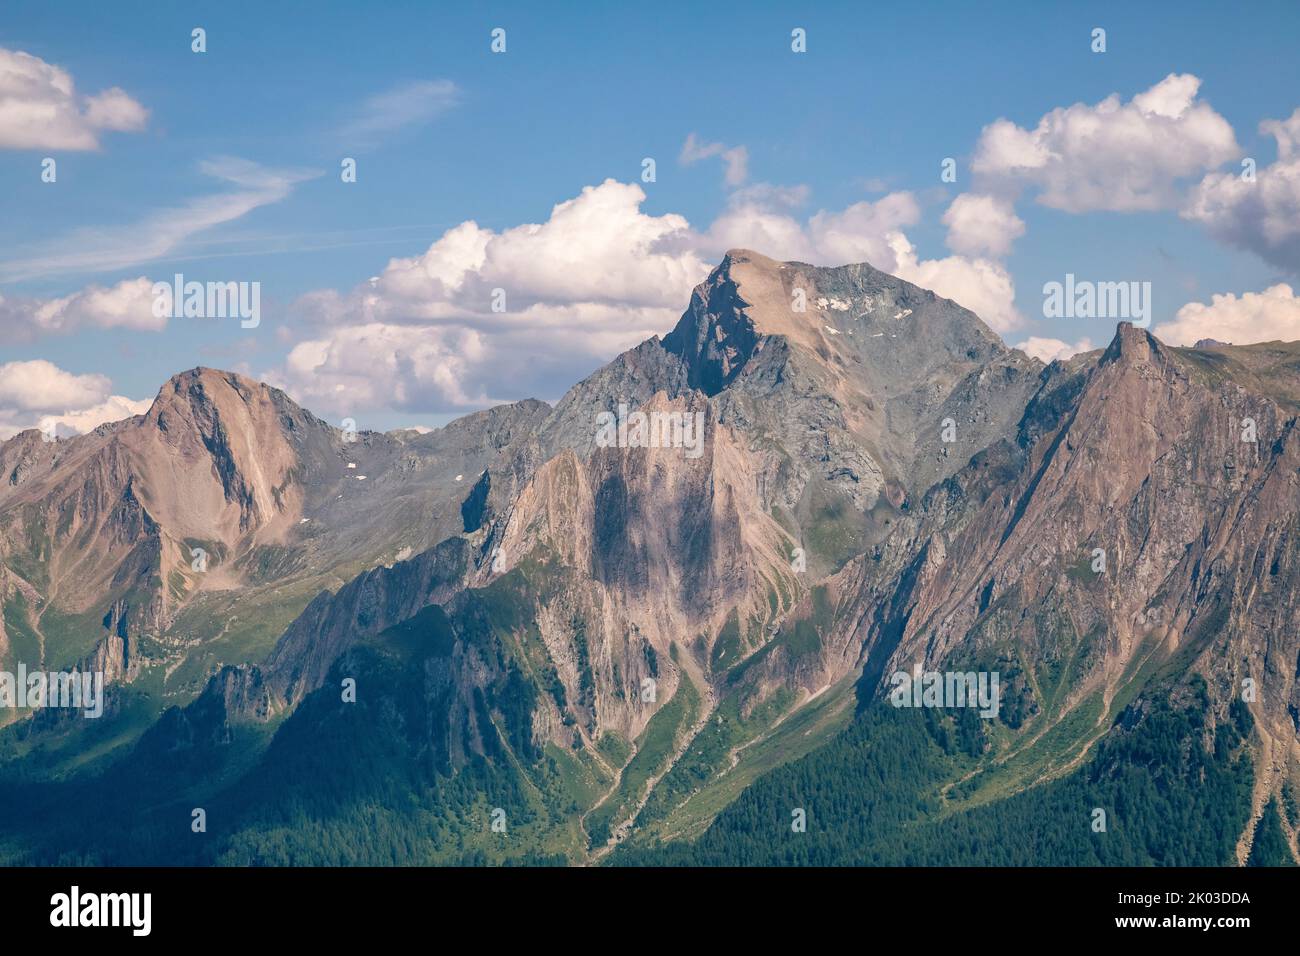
{"x": 1130, "y": 530}
{"x": 855, "y": 389}
{"x": 224, "y": 493}
{"x": 1148, "y": 471}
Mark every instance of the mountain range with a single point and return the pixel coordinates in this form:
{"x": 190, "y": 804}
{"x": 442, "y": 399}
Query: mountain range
{"x": 510, "y": 640}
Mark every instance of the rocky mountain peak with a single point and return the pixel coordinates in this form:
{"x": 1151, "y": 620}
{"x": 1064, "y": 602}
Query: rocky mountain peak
{"x": 202, "y": 395}
{"x": 1132, "y": 345}
{"x": 839, "y": 316}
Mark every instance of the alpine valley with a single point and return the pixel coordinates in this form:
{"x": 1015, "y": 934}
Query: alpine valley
{"x": 508, "y": 641}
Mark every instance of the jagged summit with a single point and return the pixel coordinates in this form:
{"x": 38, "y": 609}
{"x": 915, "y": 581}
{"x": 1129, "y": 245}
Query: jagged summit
{"x": 750, "y": 294}
{"x": 845, "y": 316}
{"x": 202, "y": 393}
{"x": 1132, "y": 344}
{"x": 201, "y": 381}
{"x": 850, "y": 367}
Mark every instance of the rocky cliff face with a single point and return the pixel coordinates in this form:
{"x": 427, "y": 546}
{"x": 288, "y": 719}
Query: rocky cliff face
{"x": 225, "y": 496}
{"x": 850, "y": 373}
{"x": 1140, "y": 525}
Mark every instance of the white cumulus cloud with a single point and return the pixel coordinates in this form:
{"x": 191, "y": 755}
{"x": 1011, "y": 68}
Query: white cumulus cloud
{"x": 597, "y": 277}
{"x": 1049, "y": 350}
{"x": 1260, "y": 215}
{"x": 1113, "y": 155}
{"x": 762, "y": 218}
{"x": 980, "y": 225}
{"x": 981, "y": 285}
{"x": 1271, "y": 315}
{"x": 40, "y": 107}
{"x": 38, "y": 394}
{"x": 126, "y": 305}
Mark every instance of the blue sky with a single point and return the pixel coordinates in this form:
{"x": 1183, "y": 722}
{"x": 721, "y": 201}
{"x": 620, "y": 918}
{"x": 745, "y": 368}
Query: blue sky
{"x": 445, "y": 131}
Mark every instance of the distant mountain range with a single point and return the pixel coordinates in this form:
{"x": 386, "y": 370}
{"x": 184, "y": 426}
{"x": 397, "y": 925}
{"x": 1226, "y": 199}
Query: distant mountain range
{"x": 592, "y": 633}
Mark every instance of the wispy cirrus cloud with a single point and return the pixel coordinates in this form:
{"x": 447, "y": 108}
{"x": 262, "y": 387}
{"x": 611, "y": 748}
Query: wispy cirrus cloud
{"x": 163, "y": 231}
{"x": 734, "y": 158}
{"x": 403, "y": 107}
